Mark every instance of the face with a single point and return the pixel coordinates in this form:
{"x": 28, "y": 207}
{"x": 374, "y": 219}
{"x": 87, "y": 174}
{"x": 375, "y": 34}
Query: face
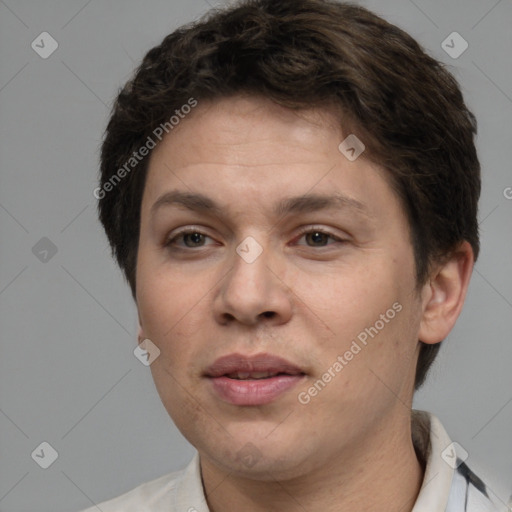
{"x": 277, "y": 279}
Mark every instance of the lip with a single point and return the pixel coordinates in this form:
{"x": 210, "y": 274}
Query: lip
{"x": 252, "y": 391}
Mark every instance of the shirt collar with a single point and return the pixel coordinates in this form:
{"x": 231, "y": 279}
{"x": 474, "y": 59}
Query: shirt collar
{"x": 430, "y": 441}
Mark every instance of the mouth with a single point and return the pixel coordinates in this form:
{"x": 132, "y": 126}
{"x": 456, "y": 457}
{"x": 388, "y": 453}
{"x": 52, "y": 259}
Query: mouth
{"x": 255, "y": 375}
{"x": 252, "y": 380}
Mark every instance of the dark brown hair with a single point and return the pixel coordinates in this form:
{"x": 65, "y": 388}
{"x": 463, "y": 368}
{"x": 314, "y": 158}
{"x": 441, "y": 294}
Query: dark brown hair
{"x": 403, "y": 104}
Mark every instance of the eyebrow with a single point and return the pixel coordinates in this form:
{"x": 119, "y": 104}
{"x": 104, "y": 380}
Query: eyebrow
{"x": 306, "y": 203}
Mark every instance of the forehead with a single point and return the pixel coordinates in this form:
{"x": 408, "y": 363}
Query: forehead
{"x": 236, "y": 125}
{"x": 248, "y": 148}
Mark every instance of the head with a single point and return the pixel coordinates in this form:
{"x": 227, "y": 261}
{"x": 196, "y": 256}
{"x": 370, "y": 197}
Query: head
{"x": 249, "y": 106}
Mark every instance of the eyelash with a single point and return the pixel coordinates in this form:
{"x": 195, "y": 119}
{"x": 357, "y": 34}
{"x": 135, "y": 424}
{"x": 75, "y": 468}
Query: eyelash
{"x": 169, "y": 243}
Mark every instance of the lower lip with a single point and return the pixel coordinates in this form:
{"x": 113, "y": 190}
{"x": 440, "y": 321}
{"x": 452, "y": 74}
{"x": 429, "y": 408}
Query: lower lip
{"x": 253, "y": 392}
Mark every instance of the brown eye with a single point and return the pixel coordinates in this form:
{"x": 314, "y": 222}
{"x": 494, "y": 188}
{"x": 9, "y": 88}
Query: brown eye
{"x": 195, "y": 238}
{"x": 317, "y": 237}
{"x": 191, "y": 239}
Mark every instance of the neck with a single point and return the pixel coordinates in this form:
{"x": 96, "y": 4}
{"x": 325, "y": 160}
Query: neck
{"x": 378, "y": 473}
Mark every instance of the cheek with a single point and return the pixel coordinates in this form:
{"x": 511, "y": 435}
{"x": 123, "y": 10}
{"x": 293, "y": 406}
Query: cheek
{"x": 168, "y": 306}
{"x": 164, "y": 297}
{"x": 371, "y": 305}
{"x": 351, "y": 296}
{"x": 181, "y": 401}
{"x": 167, "y": 310}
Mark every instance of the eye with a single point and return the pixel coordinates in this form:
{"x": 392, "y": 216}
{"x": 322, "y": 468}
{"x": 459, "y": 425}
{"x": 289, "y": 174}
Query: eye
{"x": 193, "y": 238}
{"x": 190, "y": 237}
{"x": 318, "y": 236}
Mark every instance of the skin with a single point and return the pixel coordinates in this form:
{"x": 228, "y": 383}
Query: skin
{"x": 305, "y": 298}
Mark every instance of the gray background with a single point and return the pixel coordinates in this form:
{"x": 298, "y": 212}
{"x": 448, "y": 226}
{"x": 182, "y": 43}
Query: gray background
{"x": 68, "y": 375}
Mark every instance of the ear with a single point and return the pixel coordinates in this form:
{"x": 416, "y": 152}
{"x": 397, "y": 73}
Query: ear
{"x": 444, "y": 293}
{"x": 140, "y": 333}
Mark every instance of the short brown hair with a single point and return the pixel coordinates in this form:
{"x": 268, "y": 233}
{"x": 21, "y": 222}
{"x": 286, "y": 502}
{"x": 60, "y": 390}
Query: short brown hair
{"x": 402, "y": 103}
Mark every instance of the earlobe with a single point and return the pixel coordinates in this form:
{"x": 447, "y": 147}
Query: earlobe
{"x": 140, "y": 334}
{"x": 444, "y": 295}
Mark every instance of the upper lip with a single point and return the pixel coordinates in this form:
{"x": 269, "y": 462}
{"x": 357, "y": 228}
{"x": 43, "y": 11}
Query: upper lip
{"x": 233, "y": 363}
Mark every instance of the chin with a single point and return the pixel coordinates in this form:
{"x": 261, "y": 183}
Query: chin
{"x": 251, "y": 455}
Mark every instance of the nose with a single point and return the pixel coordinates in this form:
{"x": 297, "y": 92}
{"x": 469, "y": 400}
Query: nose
{"x": 254, "y": 291}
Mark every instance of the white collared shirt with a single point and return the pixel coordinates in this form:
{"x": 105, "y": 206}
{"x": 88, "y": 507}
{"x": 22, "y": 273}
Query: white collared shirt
{"x": 448, "y": 484}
